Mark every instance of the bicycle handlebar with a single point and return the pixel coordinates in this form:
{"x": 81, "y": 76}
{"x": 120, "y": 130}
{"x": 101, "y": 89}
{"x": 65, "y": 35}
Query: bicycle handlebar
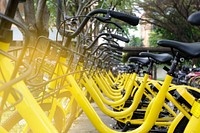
{"x": 102, "y": 19}
{"x": 117, "y": 47}
{"x": 121, "y": 38}
{"x": 117, "y": 55}
{"x": 132, "y": 20}
{"x": 111, "y": 48}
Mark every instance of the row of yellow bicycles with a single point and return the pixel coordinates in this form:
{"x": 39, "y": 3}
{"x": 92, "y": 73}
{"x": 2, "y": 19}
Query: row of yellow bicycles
{"x": 46, "y": 86}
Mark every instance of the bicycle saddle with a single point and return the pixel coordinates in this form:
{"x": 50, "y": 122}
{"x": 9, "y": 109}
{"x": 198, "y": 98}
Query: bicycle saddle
{"x": 194, "y": 18}
{"x": 161, "y": 58}
{"x": 190, "y": 50}
{"x": 141, "y": 60}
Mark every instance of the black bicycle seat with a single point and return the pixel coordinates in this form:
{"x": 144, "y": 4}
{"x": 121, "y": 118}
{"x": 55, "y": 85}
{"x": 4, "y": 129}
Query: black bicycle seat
{"x": 190, "y": 50}
{"x": 141, "y": 60}
{"x": 194, "y": 18}
{"x": 160, "y": 58}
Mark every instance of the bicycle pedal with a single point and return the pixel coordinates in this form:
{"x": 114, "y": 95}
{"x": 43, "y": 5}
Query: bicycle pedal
{"x": 116, "y": 126}
{"x": 126, "y": 127}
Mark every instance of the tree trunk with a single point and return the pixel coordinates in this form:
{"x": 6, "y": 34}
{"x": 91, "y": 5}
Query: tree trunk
{"x": 42, "y": 18}
{"x": 2, "y": 6}
{"x": 30, "y": 20}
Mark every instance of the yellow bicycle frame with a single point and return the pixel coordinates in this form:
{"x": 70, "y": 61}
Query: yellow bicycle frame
{"x": 28, "y": 107}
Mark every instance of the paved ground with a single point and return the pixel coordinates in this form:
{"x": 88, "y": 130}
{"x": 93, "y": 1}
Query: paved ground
{"x": 83, "y": 125}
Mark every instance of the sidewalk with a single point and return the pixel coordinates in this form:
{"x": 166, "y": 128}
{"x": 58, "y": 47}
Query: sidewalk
{"x": 83, "y": 125}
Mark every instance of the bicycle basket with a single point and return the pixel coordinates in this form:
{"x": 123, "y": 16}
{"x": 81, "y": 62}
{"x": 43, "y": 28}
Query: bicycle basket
{"x": 51, "y": 63}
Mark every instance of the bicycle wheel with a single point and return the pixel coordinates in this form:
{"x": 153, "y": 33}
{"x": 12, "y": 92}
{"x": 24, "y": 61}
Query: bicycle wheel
{"x": 66, "y": 112}
{"x": 195, "y": 82}
{"x": 16, "y": 121}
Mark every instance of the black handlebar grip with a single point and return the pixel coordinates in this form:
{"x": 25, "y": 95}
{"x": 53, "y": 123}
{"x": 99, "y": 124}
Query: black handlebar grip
{"x": 130, "y": 19}
{"x": 121, "y": 38}
{"x": 21, "y": 1}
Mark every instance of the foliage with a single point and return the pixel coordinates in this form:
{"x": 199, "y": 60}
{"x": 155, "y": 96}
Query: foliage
{"x": 51, "y": 4}
{"x": 153, "y": 38}
{"x": 78, "y": 7}
{"x": 158, "y": 34}
{"x": 171, "y": 16}
{"x": 124, "y": 57}
{"x": 127, "y": 6}
{"x": 135, "y": 41}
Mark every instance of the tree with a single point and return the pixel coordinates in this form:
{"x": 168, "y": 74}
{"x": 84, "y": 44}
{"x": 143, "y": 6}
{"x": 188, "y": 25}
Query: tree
{"x": 35, "y": 16}
{"x": 153, "y": 38}
{"x": 170, "y": 17}
{"x": 38, "y": 15}
{"x": 2, "y": 6}
{"x": 135, "y": 41}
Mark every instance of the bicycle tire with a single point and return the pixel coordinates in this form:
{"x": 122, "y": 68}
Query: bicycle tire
{"x": 181, "y": 125}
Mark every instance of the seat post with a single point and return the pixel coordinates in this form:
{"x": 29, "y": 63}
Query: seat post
{"x": 173, "y": 65}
